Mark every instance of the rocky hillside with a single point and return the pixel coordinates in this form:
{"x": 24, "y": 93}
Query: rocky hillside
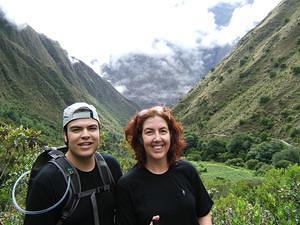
{"x": 257, "y": 87}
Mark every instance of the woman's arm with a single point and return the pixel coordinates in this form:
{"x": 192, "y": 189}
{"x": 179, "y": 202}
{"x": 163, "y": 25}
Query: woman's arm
{"x": 205, "y": 220}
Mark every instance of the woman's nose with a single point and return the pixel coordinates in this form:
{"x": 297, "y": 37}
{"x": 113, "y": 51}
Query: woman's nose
{"x": 157, "y": 137}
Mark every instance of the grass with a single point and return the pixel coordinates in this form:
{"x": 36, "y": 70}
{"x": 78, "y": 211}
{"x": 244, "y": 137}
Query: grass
{"x": 221, "y": 171}
{"x": 220, "y": 179}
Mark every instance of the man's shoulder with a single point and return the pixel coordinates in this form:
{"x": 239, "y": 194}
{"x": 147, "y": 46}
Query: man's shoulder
{"x": 109, "y": 159}
{"x": 113, "y": 165}
{"x": 48, "y": 175}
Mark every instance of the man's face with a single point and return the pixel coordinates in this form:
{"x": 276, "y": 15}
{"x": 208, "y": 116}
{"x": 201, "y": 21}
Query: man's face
{"x": 82, "y": 136}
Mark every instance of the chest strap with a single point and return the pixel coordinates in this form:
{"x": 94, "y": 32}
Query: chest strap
{"x": 96, "y": 190}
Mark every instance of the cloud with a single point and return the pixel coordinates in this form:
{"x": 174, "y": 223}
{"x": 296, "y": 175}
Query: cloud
{"x": 100, "y": 29}
{"x": 244, "y": 18}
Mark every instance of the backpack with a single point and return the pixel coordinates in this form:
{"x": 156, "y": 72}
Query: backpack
{"x": 57, "y": 157}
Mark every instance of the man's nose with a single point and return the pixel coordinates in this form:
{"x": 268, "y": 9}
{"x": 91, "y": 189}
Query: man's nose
{"x": 85, "y": 133}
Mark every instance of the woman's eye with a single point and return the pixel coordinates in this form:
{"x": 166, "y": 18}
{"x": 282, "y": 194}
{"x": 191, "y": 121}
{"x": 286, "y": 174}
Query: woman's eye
{"x": 164, "y": 131}
{"x": 149, "y": 132}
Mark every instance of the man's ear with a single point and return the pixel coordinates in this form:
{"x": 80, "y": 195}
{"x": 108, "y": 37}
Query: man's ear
{"x": 65, "y": 137}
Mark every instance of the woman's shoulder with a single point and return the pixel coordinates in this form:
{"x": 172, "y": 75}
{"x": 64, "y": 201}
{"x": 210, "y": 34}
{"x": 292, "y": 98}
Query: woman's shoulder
{"x": 183, "y": 164}
{"x": 185, "y": 167}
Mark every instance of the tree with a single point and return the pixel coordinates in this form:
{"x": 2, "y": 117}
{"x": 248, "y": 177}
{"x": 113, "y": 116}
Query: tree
{"x": 240, "y": 145}
{"x": 291, "y": 154}
{"x": 265, "y": 151}
{"x": 214, "y": 149}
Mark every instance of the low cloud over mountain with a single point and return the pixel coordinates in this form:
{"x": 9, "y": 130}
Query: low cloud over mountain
{"x": 161, "y": 79}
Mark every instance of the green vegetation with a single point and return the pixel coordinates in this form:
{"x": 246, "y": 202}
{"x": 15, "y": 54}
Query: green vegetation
{"x": 273, "y": 200}
{"x": 242, "y": 198}
{"x": 17, "y": 148}
{"x": 220, "y": 171}
{"x": 243, "y": 150}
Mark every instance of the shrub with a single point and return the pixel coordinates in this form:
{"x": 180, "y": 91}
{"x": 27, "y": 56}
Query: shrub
{"x": 240, "y": 144}
{"x": 265, "y": 151}
{"x": 282, "y": 163}
{"x": 235, "y": 162}
{"x": 264, "y": 99}
{"x": 273, "y": 201}
{"x": 243, "y": 61}
{"x": 291, "y": 155}
{"x": 294, "y": 132}
{"x": 296, "y": 70}
{"x": 251, "y": 164}
{"x": 272, "y": 74}
{"x": 213, "y": 149}
{"x": 267, "y": 122}
{"x": 194, "y": 156}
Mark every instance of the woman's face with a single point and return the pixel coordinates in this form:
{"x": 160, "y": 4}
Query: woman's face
{"x": 156, "y": 139}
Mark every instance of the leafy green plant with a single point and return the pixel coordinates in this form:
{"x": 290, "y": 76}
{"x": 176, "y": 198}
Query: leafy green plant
{"x": 17, "y": 148}
{"x": 276, "y": 200}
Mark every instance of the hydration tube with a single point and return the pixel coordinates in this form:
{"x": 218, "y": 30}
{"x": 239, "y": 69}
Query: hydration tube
{"x": 38, "y": 211}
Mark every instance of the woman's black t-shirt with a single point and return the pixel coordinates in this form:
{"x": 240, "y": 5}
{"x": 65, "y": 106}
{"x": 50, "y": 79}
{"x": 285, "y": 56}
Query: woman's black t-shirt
{"x": 178, "y": 196}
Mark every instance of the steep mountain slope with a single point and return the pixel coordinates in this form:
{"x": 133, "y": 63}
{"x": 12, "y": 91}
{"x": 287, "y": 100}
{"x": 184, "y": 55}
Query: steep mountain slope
{"x": 257, "y": 87}
{"x": 37, "y": 80}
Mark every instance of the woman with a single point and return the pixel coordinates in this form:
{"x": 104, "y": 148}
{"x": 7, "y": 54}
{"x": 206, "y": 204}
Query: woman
{"x": 160, "y": 187}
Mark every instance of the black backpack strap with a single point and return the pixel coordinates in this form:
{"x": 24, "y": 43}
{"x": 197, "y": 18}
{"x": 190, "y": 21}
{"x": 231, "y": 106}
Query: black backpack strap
{"x": 105, "y": 173}
{"x": 95, "y": 209}
{"x": 67, "y": 170}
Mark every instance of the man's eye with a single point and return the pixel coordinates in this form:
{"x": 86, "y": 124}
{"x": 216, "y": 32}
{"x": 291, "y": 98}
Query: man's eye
{"x": 75, "y": 130}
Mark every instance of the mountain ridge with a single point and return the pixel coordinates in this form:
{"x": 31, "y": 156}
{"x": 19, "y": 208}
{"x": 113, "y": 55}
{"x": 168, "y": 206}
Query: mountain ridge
{"x": 256, "y": 87}
{"x": 38, "y": 80}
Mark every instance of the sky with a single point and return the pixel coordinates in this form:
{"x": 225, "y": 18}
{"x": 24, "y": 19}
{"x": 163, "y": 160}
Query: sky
{"x": 100, "y": 30}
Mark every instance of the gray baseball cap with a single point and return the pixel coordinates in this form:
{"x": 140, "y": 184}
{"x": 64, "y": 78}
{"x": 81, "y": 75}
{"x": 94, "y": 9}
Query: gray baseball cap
{"x": 79, "y": 110}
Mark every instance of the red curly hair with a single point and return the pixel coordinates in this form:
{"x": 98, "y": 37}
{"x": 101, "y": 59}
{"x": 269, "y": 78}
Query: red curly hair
{"x": 134, "y": 128}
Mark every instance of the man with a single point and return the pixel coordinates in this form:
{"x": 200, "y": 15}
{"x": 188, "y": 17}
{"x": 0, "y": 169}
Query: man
{"x": 81, "y": 126}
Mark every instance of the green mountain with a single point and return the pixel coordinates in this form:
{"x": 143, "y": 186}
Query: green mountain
{"x": 254, "y": 89}
{"x": 38, "y": 80}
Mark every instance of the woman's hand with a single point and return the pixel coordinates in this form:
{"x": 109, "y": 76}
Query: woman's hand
{"x": 155, "y": 220}
{"x": 205, "y": 220}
